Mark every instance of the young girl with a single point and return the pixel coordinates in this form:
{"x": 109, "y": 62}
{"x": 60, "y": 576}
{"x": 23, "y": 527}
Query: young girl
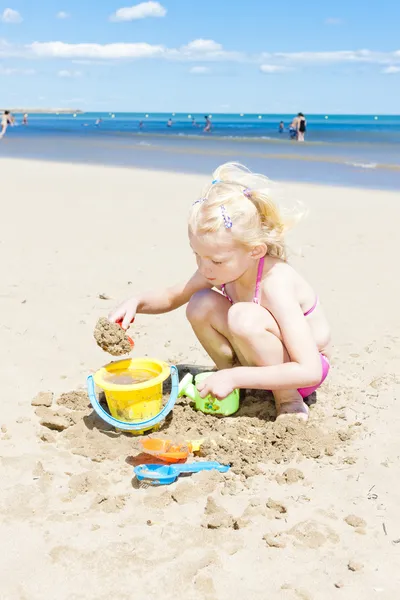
{"x": 256, "y": 317}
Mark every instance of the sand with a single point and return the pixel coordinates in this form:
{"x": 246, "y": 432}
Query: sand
{"x": 111, "y": 337}
{"x": 74, "y": 523}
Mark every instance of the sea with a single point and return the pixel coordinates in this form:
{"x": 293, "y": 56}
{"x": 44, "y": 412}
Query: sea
{"x": 350, "y": 150}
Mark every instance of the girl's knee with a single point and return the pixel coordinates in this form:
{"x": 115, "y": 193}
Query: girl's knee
{"x": 246, "y": 318}
{"x": 200, "y": 305}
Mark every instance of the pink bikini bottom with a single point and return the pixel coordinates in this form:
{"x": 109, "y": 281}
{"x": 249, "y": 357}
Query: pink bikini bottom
{"x": 304, "y": 392}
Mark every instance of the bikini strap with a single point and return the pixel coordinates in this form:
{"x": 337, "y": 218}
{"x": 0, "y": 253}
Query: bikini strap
{"x": 226, "y": 294}
{"x": 314, "y": 306}
{"x": 256, "y": 298}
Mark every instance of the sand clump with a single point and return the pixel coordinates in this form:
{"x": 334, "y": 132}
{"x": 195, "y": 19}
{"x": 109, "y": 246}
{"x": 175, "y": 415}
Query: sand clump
{"x": 77, "y": 400}
{"x": 110, "y": 504}
{"x": 55, "y": 420}
{"x": 215, "y": 516}
{"x": 290, "y": 476}
{"x": 274, "y": 541}
{"x": 111, "y": 337}
{"x": 277, "y": 507}
{"x": 355, "y": 521}
{"x": 354, "y": 566}
{"x": 306, "y": 534}
{"x": 43, "y": 399}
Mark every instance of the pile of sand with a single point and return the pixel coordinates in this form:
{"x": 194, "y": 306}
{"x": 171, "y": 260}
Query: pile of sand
{"x": 111, "y": 337}
{"x": 244, "y": 440}
{"x": 251, "y": 436}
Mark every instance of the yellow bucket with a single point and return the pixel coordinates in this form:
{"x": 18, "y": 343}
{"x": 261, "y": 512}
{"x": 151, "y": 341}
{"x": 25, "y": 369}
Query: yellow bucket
{"x": 133, "y": 389}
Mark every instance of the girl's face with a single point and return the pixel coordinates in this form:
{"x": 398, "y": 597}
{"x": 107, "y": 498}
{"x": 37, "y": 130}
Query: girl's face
{"x": 219, "y": 258}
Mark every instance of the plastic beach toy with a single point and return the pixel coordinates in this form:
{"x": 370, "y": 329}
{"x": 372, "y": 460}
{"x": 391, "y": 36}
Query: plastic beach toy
{"x": 209, "y": 404}
{"x": 164, "y": 474}
{"x": 133, "y": 390}
{"x": 169, "y": 451}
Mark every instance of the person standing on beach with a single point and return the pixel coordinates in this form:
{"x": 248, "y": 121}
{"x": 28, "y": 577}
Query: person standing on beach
{"x": 281, "y": 127}
{"x": 5, "y": 121}
{"x": 25, "y": 119}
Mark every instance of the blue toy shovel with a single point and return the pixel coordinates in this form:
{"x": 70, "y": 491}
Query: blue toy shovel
{"x": 164, "y": 474}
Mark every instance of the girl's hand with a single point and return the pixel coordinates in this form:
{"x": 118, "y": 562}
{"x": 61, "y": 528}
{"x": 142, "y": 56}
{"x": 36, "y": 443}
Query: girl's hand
{"x": 219, "y": 384}
{"x": 125, "y": 312}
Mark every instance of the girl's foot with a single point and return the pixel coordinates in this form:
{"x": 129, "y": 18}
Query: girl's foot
{"x": 292, "y": 408}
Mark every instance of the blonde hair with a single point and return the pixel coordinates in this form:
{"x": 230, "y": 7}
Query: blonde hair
{"x": 242, "y": 202}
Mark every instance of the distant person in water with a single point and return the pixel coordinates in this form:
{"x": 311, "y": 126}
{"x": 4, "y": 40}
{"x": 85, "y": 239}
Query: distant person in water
{"x": 301, "y": 127}
{"x": 207, "y": 128}
{"x": 25, "y": 119}
{"x": 169, "y": 123}
{"x": 5, "y": 122}
{"x": 140, "y": 124}
{"x": 98, "y": 122}
{"x": 194, "y": 124}
{"x": 281, "y": 127}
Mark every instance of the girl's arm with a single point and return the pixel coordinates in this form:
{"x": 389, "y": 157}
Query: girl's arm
{"x": 304, "y": 368}
{"x": 158, "y": 302}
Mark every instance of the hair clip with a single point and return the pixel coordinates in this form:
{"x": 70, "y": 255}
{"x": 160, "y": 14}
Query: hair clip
{"x": 247, "y": 192}
{"x": 199, "y": 201}
{"x": 227, "y": 220}
{"x": 215, "y": 181}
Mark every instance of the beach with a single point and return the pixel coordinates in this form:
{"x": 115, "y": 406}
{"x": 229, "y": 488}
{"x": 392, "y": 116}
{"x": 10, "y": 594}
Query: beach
{"x": 318, "y": 519}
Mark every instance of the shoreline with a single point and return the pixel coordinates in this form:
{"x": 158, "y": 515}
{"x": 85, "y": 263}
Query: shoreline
{"x": 148, "y": 169}
{"x": 191, "y": 159}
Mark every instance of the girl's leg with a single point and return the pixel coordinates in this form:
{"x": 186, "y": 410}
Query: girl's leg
{"x": 256, "y": 337}
{"x": 207, "y": 313}
{"x": 246, "y": 331}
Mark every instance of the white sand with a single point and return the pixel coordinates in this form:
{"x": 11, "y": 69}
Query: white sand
{"x": 69, "y": 233}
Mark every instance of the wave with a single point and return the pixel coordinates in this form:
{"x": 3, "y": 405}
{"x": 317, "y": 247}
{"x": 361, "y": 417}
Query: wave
{"x": 360, "y": 165}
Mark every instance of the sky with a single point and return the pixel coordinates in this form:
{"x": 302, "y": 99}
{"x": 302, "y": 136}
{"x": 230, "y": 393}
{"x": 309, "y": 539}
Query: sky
{"x": 227, "y": 56}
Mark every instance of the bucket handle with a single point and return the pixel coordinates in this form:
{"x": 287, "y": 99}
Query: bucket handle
{"x": 137, "y": 426}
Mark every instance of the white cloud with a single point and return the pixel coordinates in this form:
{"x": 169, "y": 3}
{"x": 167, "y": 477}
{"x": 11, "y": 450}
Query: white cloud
{"x": 327, "y": 57}
{"x": 65, "y": 73}
{"x": 333, "y": 21}
{"x": 272, "y": 68}
{"x": 89, "y": 51}
{"x": 199, "y": 70}
{"x": 197, "y": 51}
{"x": 202, "y": 49}
{"x": 203, "y": 46}
{"x": 139, "y": 11}
{"x": 63, "y": 15}
{"x": 391, "y": 70}
{"x": 11, "y": 16}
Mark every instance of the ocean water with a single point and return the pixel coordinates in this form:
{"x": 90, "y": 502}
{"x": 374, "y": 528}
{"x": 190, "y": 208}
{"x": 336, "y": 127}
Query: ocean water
{"x": 358, "y": 150}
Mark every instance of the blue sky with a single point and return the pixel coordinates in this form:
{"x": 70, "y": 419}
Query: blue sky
{"x": 201, "y": 56}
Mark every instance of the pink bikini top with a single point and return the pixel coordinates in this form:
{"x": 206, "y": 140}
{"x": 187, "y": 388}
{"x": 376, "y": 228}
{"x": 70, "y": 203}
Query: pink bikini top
{"x": 256, "y": 298}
